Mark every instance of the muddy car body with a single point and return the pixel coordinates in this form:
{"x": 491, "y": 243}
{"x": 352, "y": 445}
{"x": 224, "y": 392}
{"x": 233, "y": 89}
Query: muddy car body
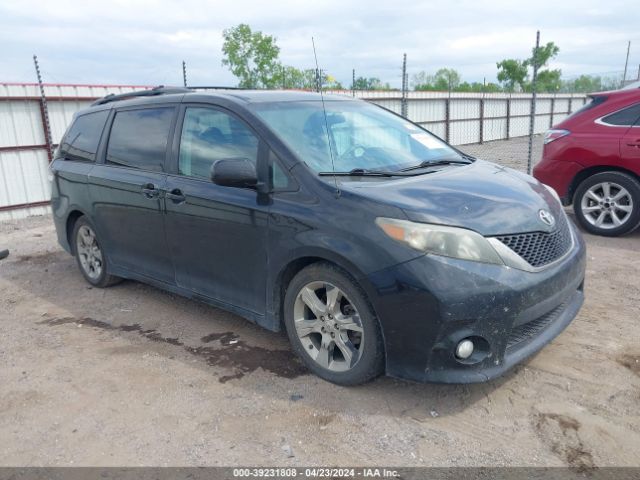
{"x": 374, "y": 244}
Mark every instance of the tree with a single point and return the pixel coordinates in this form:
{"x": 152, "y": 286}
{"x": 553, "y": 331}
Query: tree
{"x": 449, "y": 79}
{"x": 549, "y": 81}
{"x": 421, "y": 80}
{"x": 591, "y": 83}
{"x": 371, "y": 83}
{"x": 445, "y": 79}
{"x": 513, "y": 72}
{"x": 583, "y": 84}
{"x": 291, "y": 77}
{"x": 251, "y": 56}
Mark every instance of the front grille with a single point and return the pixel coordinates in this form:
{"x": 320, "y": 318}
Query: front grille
{"x": 528, "y": 330}
{"x": 541, "y": 248}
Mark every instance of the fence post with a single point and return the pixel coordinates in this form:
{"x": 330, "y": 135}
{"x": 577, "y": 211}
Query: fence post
{"x": 553, "y": 110}
{"x": 403, "y": 101}
{"x": 532, "y": 114}
{"x": 44, "y": 112}
{"x": 482, "y": 119}
{"x": 570, "y": 107}
{"x": 184, "y": 73}
{"x": 353, "y": 82}
{"x": 446, "y": 119}
{"x": 508, "y": 132}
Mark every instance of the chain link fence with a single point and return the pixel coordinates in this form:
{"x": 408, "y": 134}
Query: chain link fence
{"x": 497, "y": 127}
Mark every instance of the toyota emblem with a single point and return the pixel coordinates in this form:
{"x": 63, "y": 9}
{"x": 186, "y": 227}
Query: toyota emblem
{"x": 547, "y": 218}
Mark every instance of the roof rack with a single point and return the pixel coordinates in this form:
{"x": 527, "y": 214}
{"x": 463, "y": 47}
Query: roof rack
{"x": 159, "y": 90}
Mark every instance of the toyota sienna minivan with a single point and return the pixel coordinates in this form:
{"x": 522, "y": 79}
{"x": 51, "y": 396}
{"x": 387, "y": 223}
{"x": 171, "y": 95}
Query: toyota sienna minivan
{"x": 374, "y": 244}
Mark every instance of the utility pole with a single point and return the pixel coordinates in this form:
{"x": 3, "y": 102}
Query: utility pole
{"x": 184, "y": 73}
{"x": 532, "y": 115}
{"x": 626, "y": 64}
{"x": 44, "y": 111}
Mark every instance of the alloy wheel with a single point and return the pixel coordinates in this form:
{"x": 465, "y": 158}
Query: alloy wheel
{"x": 89, "y": 253}
{"x": 607, "y": 205}
{"x": 328, "y": 326}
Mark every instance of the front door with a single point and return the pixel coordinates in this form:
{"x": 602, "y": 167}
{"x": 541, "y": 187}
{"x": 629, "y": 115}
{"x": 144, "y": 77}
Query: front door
{"x": 217, "y": 235}
{"x": 630, "y": 142}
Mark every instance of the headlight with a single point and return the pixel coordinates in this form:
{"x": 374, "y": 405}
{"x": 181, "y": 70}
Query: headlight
{"x": 441, "y": 240}
{"x": 553, "y": 192}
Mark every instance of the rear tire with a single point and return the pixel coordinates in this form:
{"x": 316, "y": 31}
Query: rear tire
{"x": 332, "y": 327}
{"x": 608, "y": 204}
{"x": 91, "y": 258}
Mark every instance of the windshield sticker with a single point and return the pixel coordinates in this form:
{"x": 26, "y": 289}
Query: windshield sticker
{"x": 427, "y": 140}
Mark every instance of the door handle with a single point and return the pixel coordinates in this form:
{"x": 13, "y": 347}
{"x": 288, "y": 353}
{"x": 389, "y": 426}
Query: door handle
{"x": 175, "y": 195}
{"x": 149, "y": 190}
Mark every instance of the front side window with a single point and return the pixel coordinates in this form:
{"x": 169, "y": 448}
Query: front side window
{"x": 139, "y": 138}
{"x": 81, "y": 141}
{"x": 358, "y": 136}
{"x": 209, "y": 135}
{"x": 625, "y": 118}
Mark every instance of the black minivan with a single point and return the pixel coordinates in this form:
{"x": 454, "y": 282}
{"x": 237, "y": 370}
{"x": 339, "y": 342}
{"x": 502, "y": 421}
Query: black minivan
{"x": 375, "y": 245}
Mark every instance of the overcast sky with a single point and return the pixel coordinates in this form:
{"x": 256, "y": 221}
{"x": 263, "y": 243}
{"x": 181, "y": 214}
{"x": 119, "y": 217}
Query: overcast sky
{"x": 144, "y": 42}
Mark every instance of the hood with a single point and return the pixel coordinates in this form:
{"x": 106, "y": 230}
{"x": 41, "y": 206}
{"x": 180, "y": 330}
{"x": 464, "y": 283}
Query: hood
{"x": 482, "y": 196}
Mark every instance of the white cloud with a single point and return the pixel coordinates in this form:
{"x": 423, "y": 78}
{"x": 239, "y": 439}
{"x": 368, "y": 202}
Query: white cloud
{"x": 145, "y": 41}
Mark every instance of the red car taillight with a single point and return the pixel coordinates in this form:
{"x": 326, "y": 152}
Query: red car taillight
{"x": 552, "y": 135}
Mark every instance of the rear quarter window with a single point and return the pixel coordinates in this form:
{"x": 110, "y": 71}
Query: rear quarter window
{"x": 624, "y": 118}
{"x": 81, "y": 141}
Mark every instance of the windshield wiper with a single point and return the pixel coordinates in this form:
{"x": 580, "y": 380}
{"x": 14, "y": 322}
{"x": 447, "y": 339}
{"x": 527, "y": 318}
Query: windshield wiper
{"x": 363, "y": 172}
{"x": 433, "y": 163}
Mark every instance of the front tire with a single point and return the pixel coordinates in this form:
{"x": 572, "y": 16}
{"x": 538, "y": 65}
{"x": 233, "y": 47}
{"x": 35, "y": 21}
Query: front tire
{"x": 608, "y": 204}
{"x": 91, "y": 258}
{"x": 332, "y": 327}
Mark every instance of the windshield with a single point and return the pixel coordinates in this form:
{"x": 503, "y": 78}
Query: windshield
{"x": 361, "y": 136}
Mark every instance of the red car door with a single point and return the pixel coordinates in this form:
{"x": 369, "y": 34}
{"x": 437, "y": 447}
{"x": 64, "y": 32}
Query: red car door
{"x": 630, "y": 149}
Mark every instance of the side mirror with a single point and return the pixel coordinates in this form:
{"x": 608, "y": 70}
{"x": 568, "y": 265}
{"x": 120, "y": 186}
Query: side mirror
{"x": 234, "y": 172}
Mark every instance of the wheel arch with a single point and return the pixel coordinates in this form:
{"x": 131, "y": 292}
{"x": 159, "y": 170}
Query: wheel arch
{"x": 70, "y": 224}
{"x": 582, "y": 175}
{"x": 295, "y": 265}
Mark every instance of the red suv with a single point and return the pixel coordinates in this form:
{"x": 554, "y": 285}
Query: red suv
{"x": 592, "y": 159}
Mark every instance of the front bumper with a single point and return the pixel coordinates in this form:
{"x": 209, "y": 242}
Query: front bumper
{"x": 427, "y": 305}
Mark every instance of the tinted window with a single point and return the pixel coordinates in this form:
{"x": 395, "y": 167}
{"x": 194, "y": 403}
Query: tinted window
{"x": 81, "y": 141}
{"x": 209, "y": 135}
{"x": 139, "y": 138}
{"x": 279, "y": 179}
{"x": 626, "y": 117}
{"x": 345, "y": 135}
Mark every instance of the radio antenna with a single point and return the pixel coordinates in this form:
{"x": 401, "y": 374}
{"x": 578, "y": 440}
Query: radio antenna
{"x": 326, "y": 122}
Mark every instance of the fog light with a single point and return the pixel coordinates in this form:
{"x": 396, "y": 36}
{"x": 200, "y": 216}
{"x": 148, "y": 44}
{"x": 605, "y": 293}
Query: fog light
{"x": 464, "y": 349}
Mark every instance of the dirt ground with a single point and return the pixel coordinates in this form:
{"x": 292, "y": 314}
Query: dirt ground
{"x": 132, "y": 375}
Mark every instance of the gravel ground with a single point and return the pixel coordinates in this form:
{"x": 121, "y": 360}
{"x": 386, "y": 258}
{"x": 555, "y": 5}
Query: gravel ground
{"x": 510, "y": 153}
{"x": 132, "y": 375}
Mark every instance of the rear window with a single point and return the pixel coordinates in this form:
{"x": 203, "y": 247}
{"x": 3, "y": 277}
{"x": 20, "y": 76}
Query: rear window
{"x": 138, "y": 138}
{"x": 81, "y": 141}
{"x": 625, "y": 118}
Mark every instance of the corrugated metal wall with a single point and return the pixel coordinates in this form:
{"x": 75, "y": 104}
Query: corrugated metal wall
{"x": 461, "y": 118}
{"x": 24, "y": 183}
